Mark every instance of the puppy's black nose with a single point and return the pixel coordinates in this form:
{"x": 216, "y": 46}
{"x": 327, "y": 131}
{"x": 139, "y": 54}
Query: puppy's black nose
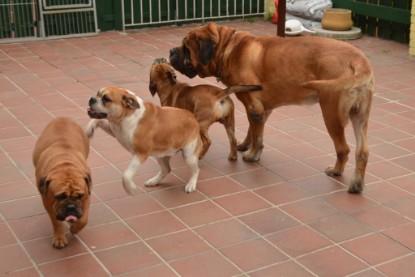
{"x": 92, "y": 101}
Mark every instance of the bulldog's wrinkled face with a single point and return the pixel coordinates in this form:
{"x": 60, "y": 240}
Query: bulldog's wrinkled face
{"x": 195, "y": 54}
{"x": 112, "y": 103}
{"x": 67, "y": 193}
{"x": 161, "y": 75}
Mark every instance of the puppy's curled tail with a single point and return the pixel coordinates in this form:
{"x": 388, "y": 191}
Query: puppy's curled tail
{"x": 238, "y": 88}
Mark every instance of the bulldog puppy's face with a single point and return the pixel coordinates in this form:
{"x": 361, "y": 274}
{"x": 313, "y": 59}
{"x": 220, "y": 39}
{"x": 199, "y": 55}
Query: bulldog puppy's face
{"x": 66, "y": 192}
{"x": 161, "y": 74}
{"x": 196, "y": 52}
{"x": 112, "y": 103}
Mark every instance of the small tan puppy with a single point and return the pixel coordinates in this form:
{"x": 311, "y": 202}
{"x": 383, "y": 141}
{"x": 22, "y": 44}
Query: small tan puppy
{"x": 63, "y": 176}
{"x": 209, "y": 104}
{"x": 145, "y": 129}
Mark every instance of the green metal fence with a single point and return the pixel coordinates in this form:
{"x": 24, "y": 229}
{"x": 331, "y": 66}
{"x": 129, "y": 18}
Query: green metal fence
{"x": 388, "y": 19}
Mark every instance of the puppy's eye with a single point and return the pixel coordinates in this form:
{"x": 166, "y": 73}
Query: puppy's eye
{"x": 61, "y": 197}
{"x": 106, "y": 99}
{"x": 80, "y": 196}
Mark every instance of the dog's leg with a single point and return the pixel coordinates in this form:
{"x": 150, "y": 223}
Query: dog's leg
{"x": 192, "y": 161}
{"x": 229, "y": 124}
{"x": 59, "y": 237}
{"x": 336, "y": 130}
{"x": 360, "y": 121}
{"x": 95, "y": 123}
{"x": 127, "y": 177}
{"x": 247, "y": 142}
{"x": 206, "y": 142}
{"x": 165, "y": 169}
{"x": 253, "y": 154}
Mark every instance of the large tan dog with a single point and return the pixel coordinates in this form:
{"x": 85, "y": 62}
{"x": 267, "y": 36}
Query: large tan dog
{"x": 63, "y": 176}
{"x": 145, "y": 129}
{"x": 208, "y": 103}
{"x": 303, "y": 70}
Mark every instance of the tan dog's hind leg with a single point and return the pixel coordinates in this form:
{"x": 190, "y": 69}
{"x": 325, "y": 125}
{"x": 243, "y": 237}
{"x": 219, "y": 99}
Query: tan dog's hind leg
{"x": 335, "y": 127}
{"x": 165, "y": 169}
{"x": 229, "y": 124}
{"x": 192, "y": 160}
{"x": 206, "y": 141}
{"x": 360, "y": 121}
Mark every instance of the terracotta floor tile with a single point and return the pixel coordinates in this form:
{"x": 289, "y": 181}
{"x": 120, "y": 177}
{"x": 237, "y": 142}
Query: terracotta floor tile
{"x": 348, "y": 202}
{"x": 242, "y": 203}
{"x": 402, "y": 234}
{"x": 380, "y": 217}
{"x": 157, "y": 270}
{"x": 227, "y": 167}
{"x": 42, "y": 251}
{"x": 289, "y": 268}
{"x": 268, "y": 221}
{"x": 387, "y": 170}
{"x": 375, "y": 248}
{"x": 74, "y": 266}
{"x": 318, "y": 184}
{"x": 404, "y": 206}
{"x": 257, "y": 254}
{"x": 332, "y": 261}
{"x": 108, "y": 235}
{"x": 298, "y": 241}
{"x": 17, "y": 190}
{"x": 292, "y": 170}
{"x": 257, "y": 178}
{"x": 176, "y": 196}
{"x": 404, "y": 267}
{"x": 127, "y": 258}
{"x": 6, "y": 235}
{"x": 22, "y": 208}
{"x": 405, "y": 182}
{"x": 178, "y": 245}
{"x": 384, "y": 192}
{"x": 282, "y": 193}
{"x": 200, "y": 213}
{"x": 100, "y": 214}
{"x": 340, "y": 227}
{"x": 155, "y": 224}
{"x": 219, "y": 186}
{"x": 224, "y": 233}
{"x": 13, "y": 258}
{"x": 130, "y": 206}
{"x": 309, "y": 210}
{"x": 10, "y": 175}
{"x": 32, "y": 227}
{"x": 206, "y": 264}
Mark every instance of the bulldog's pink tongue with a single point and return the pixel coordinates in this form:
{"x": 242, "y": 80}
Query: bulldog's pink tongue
{"x": 71, "y": 218}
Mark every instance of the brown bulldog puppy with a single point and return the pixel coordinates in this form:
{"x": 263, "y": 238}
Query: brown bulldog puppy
{"x": 301, "y": 70}
{"x": 63, "y": 177}
{"x": 145, "y": 129}
{"x": 208, "y": 103}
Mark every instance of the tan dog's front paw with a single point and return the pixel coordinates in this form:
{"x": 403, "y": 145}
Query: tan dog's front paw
{"x": 90, "y": 128}
{"x": 59, "y": 241}
{"x": 129, "y": 186}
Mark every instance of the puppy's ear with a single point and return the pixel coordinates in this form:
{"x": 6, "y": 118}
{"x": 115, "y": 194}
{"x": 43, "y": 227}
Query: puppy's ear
{"x": 130, "y": 102}
{"x": 207, "y": 49}
{"x": 43, "y": 185}
{"x": 172, "y": 77}
{"x": 88, "y": 182}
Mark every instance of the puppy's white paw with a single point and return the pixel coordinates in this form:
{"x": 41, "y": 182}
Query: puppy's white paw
{"x": 152, "y": 182}
{"x": 129, "y": 186}
{"x": 90, "y": 128}
{"x": 190, "y": 187}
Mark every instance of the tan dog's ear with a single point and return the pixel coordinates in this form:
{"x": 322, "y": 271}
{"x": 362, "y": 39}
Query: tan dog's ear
{"x": 130, "y": 102}
{"x": 207, "y": 49}
{"x": 43, "y": 185}
{"x": 87, "y": 179}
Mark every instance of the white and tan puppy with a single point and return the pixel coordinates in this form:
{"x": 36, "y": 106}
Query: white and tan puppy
{"x": 63, "y": 177}
{"x": 145, "y": 129}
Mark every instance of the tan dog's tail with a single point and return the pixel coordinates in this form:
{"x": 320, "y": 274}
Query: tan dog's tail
{"x": 362, "y": 77}
{"x": 239, "y": 88}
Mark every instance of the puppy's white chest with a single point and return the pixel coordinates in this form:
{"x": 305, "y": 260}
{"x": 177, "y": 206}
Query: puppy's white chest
{"x": 124, "y": 136}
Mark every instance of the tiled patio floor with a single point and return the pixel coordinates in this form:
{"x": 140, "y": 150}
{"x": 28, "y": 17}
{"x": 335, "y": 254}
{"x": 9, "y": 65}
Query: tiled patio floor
{"x": 280, "y": 216}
